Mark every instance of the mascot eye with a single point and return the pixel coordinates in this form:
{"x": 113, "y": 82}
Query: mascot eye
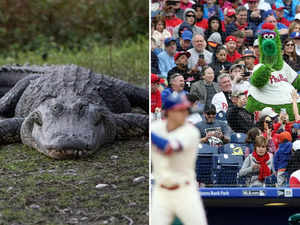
{"x": 266, "y": 36}
{"x": 271, "y": 36}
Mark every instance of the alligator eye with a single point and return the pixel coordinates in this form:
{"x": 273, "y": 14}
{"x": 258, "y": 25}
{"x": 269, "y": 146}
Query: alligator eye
{"x": 37, "y": 118}
{"x": 271, "y": 36}
{"x": 57, "y": 109}
{"x": 80, "y": 108}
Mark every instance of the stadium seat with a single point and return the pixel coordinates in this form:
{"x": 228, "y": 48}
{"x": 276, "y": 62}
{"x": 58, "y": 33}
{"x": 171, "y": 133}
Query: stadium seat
{"x": 271, "y": 181}
{"x": 204, "y": 163}
{"x": 225, "y": 169}
{"x": 233, "y": 149}
{"x": 238, "y": 138}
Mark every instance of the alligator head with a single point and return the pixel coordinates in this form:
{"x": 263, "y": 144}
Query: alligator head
{"x": 68, "y": 127}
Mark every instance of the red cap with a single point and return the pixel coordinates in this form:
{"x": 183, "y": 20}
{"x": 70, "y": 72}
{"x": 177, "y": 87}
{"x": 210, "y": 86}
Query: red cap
{"x": 268, "y": 26}
{"x": 229, "y": 12}
{"x": 279, "y": 8}
{"x": 252, "y": 0}
{"x": 231, "y": 38}
{"x": 155, "y": 79}
{"x": 178, "y": 54}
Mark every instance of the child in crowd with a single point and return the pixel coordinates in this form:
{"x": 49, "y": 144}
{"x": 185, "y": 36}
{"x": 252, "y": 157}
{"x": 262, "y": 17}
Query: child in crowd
{"x": 258, "y": 165}
{"x": 282, "y": 156}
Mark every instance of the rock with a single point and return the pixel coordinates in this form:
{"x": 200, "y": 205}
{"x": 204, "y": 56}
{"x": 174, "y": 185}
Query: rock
{"x": 114, "y": 157}
{"x": 34, "y": 206}
{"x": 99, "y": 186}
{"x": 139, "y": 179}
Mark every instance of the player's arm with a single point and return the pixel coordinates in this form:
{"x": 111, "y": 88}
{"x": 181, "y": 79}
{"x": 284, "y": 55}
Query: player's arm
{"x": 164, "y": 145}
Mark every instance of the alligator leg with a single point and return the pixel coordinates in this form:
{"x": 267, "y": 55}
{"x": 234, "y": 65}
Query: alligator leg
{"x": 138, "y": 97}
{"x": 9, "y": 101}
{"x": 10, "y": 130}
{"x": 131, "y": 125}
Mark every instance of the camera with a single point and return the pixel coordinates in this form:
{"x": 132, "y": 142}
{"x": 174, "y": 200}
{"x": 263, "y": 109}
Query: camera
{"x": 247, "y": 74}
{"x": 270, "y": 124}
{"x": 201, "y": 56}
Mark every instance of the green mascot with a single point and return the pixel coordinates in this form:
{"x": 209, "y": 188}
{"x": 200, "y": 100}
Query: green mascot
{"x": 273, "y": 79}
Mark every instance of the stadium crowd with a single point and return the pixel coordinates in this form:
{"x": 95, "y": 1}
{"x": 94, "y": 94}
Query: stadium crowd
{"x": 207, "y": 50}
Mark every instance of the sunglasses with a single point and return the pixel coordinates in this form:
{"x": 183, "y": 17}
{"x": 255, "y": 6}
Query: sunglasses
{"x": 190, "y": 15}
{"x": 211, "y": 113}
{"x": 290, "y": 45}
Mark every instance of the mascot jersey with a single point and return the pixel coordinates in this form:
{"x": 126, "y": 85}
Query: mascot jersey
{"x": 278, "y": 89}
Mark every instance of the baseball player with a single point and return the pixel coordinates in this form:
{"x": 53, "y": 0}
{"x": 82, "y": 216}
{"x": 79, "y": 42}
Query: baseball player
{"x": 174, "y": 148}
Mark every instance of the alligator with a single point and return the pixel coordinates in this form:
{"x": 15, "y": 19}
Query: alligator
{"x": 67, "y": 111}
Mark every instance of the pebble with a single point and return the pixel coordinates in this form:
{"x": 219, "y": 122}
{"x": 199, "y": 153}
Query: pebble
{"x": 34, "y": 206}
{"x": 114, "y": 157}
{"x": 73, "y": 221}
{"x": 101, "y": 186}
{"x": 139, "y": 179}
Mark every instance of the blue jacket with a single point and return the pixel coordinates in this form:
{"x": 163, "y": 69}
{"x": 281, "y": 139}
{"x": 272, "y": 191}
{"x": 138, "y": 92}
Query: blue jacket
{"x": 288, "y": 14}
{"x": 165, "y": 63}
{"x": 282, "y": 155}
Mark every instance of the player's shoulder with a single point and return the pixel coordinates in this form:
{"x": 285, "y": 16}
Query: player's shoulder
{"x": 190, "y": 129}
{"x": 158, "y": 125}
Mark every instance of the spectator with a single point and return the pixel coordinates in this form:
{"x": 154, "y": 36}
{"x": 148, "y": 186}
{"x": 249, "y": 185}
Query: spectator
{"x": 231, "y": 48}
{"x": 213, "y": 131}
{"x": 184, "y": 42}
{"x": 296, "y": 37}
{"x": 205, "y": 89}
{"x": 249, "y": 58}
{"x": 171, "y": 20}
{"x": 294, "y": 27}
{"x": 262, "y": 4}
{"x": 194, "y": 116}
{"x": 270, "y": 18}
{"x": 294, "y": 164}
{"x": 239, "y": 78}
{"x": 265, "y": 124}
{"x": 155, "y": 95}
{"x": 238, "y": 118}
{"x": 256, "y": 51}
{"x": 199, "y": 55}
{"x": 295, "y": 97}
{"x": 213, "y": 42}
{"x": 176, "y": 85}
{"x": 222, "y": 100}
{"x": 185, "y": 4}
{"x": 181, "y": 60}
{"x": 255, "y": 15}
{"x": 283, "y": 123}
{"x": 290, "y": 5}
{"x": 190, "y": 19}
{"x": 241, "y": 23}
{"x": 214, "y": 25}
{"x": 175, "y": 4}
{"x": 279, "y": 15}
{"x": 200, "y": 20}
{"x": 166, "y": 57}
{"x": 240, "y": 40}
{"x": 212, "y": 9}
{"x": 219, "y": 63}
{"x": 282, "y": 156}
{"x": 160, "y": 32}
{"x": 229, "y": 16}
{"x": 250, "y": 140}
{"x": 154, "y": 59}
{"x": 258, "y": 165}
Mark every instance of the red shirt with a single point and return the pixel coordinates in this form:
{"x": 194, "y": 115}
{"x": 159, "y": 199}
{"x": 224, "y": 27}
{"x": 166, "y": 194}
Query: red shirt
{"x": 284, "y": 21}
{"x": 203, "y": 24}
{"x": 155, "y": 100}
{"x": 233, "y": 57}
{"x": 256, "y": 61}
{"x": 172, "y": 23}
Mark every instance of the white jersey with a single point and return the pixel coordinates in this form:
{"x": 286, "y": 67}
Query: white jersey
{"x": 178, "y": 167}
{"x": 278, "y": 89}
{"x": 220, "y": 101}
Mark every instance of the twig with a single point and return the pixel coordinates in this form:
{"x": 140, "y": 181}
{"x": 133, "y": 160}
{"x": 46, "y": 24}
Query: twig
{"x": 129, "y": 219}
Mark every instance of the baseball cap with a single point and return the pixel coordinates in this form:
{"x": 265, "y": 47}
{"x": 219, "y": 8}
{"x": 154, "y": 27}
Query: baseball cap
{"x": 215, "y": 37}
{"x": 229, "y": 12}
{"x": 255, "y": 43}
{"x": 278, "y": 8}
{"x": 169, "y": 40}
{"x": 297, "y": 16}
{"x": 295, "y": 35}
{"x": 296, "y": 145}
{"x": 268, "y": 111}
{"x": 178, "y": 54}
{"x": 235, "y": 66}
{"x": 187, "y": 35}
{"x": 176, "y": 101}
{"x": 155, "y": 79}
{"x": 231, "y": 38}
{"x": 248, "y": 52}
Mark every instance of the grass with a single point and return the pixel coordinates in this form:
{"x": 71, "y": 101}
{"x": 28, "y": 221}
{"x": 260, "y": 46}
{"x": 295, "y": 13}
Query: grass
{"x": 35, "y": 189}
